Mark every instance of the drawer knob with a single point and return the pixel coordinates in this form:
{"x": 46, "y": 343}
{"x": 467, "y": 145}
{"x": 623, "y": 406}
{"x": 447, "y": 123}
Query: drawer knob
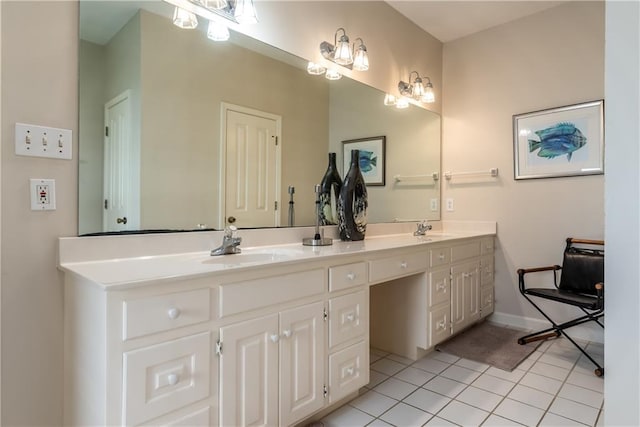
{"x": 173, "y": 379}
{"x": 403, "y": 264}
{"x": 173, "y": 313}
{"x": 274, "y": 338}
{"x": 351, "y": 276}
{"x": 350, "y": 371}
{"x": 441, "y": 256}
{"x": 286, "y": 333}
{"x": 441, "y": 287}
{"x": 351, "y": 317}
{"x": 440, "y": 325}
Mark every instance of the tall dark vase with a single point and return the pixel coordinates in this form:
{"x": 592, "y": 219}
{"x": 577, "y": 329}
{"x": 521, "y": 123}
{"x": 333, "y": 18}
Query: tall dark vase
{"x": 352, "y": 203}
{"x": 329, "y": 193}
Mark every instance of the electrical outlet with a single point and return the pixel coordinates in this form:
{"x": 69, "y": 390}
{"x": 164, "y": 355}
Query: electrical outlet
{"x": 40, "y": 141}
{"x": 434, "y": 205}
{"x": 43, "y": 194}
{"x": 450, "y": 205}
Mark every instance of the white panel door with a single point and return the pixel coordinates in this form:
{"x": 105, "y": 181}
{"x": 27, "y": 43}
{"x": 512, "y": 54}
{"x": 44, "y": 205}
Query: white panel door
{"x": 121, "y": 186}
{"x": 301, "y": 362}
{"x": 249, "y": 373}
{"x": 251, "y": 170}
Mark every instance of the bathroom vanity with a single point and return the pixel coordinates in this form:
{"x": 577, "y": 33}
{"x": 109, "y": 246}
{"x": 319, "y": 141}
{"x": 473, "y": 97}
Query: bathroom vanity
{"x": 270, "y": 336}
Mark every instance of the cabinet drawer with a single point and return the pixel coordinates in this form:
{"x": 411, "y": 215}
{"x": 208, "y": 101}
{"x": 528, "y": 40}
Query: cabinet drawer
{"x": 146, "y": 316}
{"x": 252, "y": 294}
{"x": 348, "y": 370}
{"x": 439, "y": 286}
{"x": 487, "y": 246}
{"x": 348, "y": 317}
{"x": 347, "y": 276}
{"x": 486, "y": 270}
{"x": 439, "y": 328}
{"x": 165, "y": 377}
{"x": 397, "y": 266}
{"x": 197, "y": 418}
{"x": 468, "y": 250}
{"x": 486, "y": 300}
{"x": 439, "y": 256}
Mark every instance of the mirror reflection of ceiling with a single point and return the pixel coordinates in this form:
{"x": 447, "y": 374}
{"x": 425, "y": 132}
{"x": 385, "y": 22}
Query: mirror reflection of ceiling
{"x": 178, "y": 80}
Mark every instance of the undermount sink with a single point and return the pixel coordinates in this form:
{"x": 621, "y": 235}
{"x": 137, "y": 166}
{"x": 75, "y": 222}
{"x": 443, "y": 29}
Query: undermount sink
{"x": 253, "y": 256}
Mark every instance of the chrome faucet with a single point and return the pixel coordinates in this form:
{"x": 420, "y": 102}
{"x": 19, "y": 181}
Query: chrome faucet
{"x": 423, "y": 227}
{"x": 230, "y": 243}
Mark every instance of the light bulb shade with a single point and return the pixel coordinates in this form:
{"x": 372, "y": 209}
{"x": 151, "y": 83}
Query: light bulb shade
{"x": 315, "y": 69}
{"x": 214, "y": 4}
{"x": 217, "y": 31}
{"x": 361, "y": 60}
{"x": 389, "y": 99}
{"x": 418, "y": 88}
{"x": 333, "y": 75}
{"x": 428, "y": 96}
{"x": 402, "y": 103}
{"x": 342, "y": 54}
{"x": 184, "y": 19}
{"x": 245, "y": 12}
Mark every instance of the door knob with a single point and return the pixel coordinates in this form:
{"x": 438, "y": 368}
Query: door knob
{"x": 231, "y": 219}
{"x": 122, "y": 220}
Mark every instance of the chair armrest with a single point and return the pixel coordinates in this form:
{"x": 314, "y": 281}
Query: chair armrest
{"x": 523, "y": 271}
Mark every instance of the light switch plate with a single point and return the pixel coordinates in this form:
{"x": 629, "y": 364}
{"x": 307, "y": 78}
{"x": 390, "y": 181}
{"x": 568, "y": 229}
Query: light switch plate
{"x": 450, "y": 205}
{"x": 41, "y": 141}
{"x": 43, "y": 194}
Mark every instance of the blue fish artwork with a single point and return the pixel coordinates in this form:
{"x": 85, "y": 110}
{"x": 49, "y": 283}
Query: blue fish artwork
{"x": 368, "y": 161}
{"x": 560, "y": 139}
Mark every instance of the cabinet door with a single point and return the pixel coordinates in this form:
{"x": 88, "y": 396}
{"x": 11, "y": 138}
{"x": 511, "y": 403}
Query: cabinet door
{"x": 465, "y": 298}
{"x": 249, "y": 373}
{"x": 301, "y": 362}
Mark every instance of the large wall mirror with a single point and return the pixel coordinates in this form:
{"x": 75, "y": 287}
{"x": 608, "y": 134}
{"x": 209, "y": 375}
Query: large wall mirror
{"x": 160, "y": 109}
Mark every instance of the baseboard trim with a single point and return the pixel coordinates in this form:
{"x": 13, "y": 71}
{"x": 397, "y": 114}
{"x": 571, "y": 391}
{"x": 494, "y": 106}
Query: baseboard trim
{"x": 583, "y": 332}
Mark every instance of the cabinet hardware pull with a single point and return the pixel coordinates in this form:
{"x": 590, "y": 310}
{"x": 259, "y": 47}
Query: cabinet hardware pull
{"x": 441, "y": 256}
{"x": 441, "y": 287}
{"x": 286, "y": 333}
{"x": 350, "y": 371}
{"x": 173, "y": 379}
{"x": 275, "y": 338}
{"x": 351, "y": 276}
{"x": 350, "y": 317}
{"x": 440, "y": 325}
{"x": 403, "y": 264}
{"x": 173, "y": 313}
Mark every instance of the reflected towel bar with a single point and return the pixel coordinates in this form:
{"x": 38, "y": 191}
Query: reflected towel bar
{"x": 399, "y": 178}
{"x": 492, "y": 172}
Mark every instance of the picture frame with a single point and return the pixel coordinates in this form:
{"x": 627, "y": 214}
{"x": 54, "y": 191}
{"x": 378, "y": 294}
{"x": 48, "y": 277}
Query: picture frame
{"x": 559, "y": 142}
{"x": 372, "y": 158}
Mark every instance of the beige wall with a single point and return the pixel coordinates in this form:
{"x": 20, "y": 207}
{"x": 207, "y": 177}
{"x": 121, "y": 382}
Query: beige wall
{"x": 534, "y": 63}
{"x": 39, "y": 86}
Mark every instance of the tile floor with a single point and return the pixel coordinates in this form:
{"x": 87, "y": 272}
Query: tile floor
{"x": 555, "y": 386}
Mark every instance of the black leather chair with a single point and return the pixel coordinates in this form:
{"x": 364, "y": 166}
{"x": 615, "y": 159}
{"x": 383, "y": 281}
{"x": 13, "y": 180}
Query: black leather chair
{"x": 581, "y": 285}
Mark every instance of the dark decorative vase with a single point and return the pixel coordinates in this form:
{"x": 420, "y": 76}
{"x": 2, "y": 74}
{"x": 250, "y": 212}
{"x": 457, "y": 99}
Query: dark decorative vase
{"x": 329, "y": 193}
{"x": 352, "y": 203}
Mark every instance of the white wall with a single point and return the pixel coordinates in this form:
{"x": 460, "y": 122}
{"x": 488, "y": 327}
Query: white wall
{"x": 533, "y": 63}
{"x": 622, "y": 225}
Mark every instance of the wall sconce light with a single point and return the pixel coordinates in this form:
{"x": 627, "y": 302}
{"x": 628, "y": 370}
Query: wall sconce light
{"x": 217, "y": 31}
{"x": 417, "y": 89}
{"x": 318, "y": 70}
{"x": 245, "y": 12}
{"x": 389, "y": 99}
{"x": 184, "y": 19}
{"x": 342, "y": 53}
{"x": 402, "y": 103}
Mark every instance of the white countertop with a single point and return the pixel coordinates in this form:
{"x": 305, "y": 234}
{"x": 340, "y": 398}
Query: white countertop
{"x": 116, "y": 272}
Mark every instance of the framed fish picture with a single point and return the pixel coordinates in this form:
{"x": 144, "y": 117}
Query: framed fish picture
{"x": 563, "y": 141}
{"x": 372, "y": 158}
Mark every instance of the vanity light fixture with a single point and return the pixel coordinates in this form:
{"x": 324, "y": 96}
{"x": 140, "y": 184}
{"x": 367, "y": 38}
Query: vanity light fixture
{"x": 402, "y": 103}
{"x": 217, "y": 31}
{"x": 389, "y": 100}
{"x": 417, "y": 89}
{"x": 214, "y": 4}
{"x": 332, "y": 74}
{"x": 245, "y": 12}
{"x": 342, "y": 53}
{"x": 315, "y": 69}
{"x": 184, "y": 19}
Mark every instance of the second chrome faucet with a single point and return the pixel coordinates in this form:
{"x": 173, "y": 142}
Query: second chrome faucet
{"x": 230, "y": 243}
